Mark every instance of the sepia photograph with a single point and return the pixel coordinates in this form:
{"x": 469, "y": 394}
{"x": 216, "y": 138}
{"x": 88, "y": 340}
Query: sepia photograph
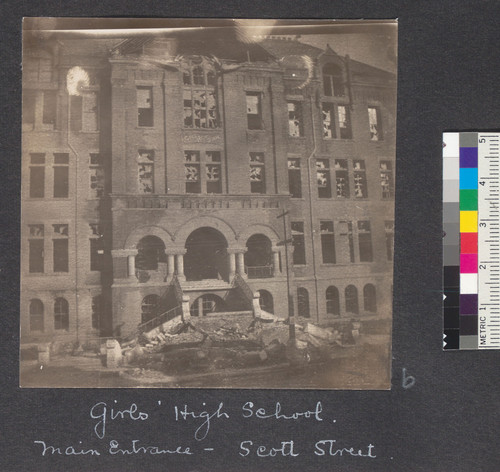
{"x": 207, "y": 203}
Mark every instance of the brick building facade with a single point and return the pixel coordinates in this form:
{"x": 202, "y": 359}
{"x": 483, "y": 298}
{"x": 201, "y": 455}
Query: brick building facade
{"x": 156, "y": 169}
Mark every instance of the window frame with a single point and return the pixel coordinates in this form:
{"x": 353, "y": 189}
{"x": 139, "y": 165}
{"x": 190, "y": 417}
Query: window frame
{"x": 144, "y": 119}
{"x": 255, "y": 121}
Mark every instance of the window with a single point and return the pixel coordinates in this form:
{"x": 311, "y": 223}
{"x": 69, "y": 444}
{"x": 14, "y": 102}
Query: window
{"x": 294, "y": 178}
{"x": 375, "y": 123}
{"x": 36, "y": 251}
{"x": 145, "y": 106}
{"x": 327, "y": 242}
{"x": 365, "y": 241}
{"x": 29, "y": 104}
{"x": 97, "y": 311}
{"x": 341, "y": 178}
{"x": 145, "y": 162}
{"x": 150, "y": 251}
{"x": 96, "y": 247}
{"x": 303, "y": 302}
{"x": 389, "y": 239}
{"x": 346, "y": 230}
{"x": 323, "y": 178}
{"x": 37, "y": 175}
{"x": 61, "y": 175}
{"x": 299, "y": 248}
{"x": 257, "y": 173}
{"x": 370, "y": 298}
{"x": 60, "y": 246}
{"x": 213, "y": 172}
{"x": 192, "y": 171}
{"x": 254, "y": 110}
{"x": 295, "y": 124}
{"x": 61, "y": 314}
{"x": 76, "y": 109}
{"x": 328, "y": 115}
{"x": 49, "y": 107}
{"x": 90, "y": 112}
{"x": 37, "y": 70}
{"x": 199, "y": 97}
{"x": 332, "y": 301}
{"x": 344, "y": 122}
{"x": 386, "y": 179}
{"x": 351, "y": 299}
{"x": 333, "y": 84}
{"x": 360, "y": 184}
{"x": 149, "y": 307}
{"x": 96, "y": 174}
{"x": 36, "y": 315}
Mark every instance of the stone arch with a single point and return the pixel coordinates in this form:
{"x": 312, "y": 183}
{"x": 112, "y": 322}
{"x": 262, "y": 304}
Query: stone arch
{"x": 193, "y": 224}
{"x": 266, "y": 230}
{"x": 142, "y": 231}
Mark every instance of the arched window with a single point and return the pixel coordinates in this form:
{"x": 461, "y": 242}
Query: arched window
{"x": 303, "y": 302}
{"x": 370, "y": 298}
{"x": 149, "y": 307}
{"x": 332, "y": 301}
{"x": 333, "y": 83}
{"x": 151, "y": 250}
{"x": 61, "y": 314}
{"x": 266, "y": 301}
{"x": 259, "y": 257}
{"x": 97, "y": 310}
{"x": 351, "y": 299}
{"x": 36, "y": 315}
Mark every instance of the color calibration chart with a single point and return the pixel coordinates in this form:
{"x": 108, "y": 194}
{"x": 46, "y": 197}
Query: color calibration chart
{"x": 471, "y": 241}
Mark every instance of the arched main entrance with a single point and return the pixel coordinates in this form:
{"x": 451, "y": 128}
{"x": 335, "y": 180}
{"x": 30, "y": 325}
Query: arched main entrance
{"x": 206, "y": 255}
{"x": 266, "y": 301}
{"x": 206, "y": 304}
{"x": 150, "y": 251}
{"x": 259, "y": 257}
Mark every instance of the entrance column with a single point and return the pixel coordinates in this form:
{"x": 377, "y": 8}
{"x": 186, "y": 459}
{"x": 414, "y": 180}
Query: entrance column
{"x": 170, "y": 265}
{"x": 232, "y": 263}
{"x": 240, "y": 259}
{"x": 180, "y": 265}
{"x": 276, "y": 261}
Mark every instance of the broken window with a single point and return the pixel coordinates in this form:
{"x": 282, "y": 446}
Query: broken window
{"x": 327, "y": 242}
{"x": 341, "y": 178}
{"x": 192, "y": 171}
{"x": 145, "y": 160}
{"x": 375, "y": 124}
{"x": 351, "y": 299}
{"x": 328, "y": 115}
{"x": 386, "y": 179}
{"x": 365, "y": 241}
{"x": 29, "y": 105}
{"x": 96, "y": 173}
{"x": 298, "y": 241}
{"x": 360, "y": 184}
{"x": 254, "y": 110}
{"x": 344, "y": 122}
{"x": 346, "y": 230}
{"x": 257, "y": 173}
{"x": 61, "y": 314}
{"x": 37, "y": 175}
{"x": 60, "y": 248}
{"x": 97, "y": 311}
{"x": 295, "y": 125}
{"x": 332, "y": 301}
{"x": 370, "y": 298}
{"x": 145, "y": 106}
{"x": 323, "y": 178}
{"x": 294, "y": 178}
{"x": 36, "y": 248}
{"x": 389, "y": 239}
{"x": 149, "y": 307}
{"x": 303, "y": 302}
{"x": 36, "y": 315}
{"x": 49, "y": 107}
{"x": 213, "y": 172}
{"x": 333, "y": 83}
{"x": 199, "y": 96}
{"x": 61, "y": 175}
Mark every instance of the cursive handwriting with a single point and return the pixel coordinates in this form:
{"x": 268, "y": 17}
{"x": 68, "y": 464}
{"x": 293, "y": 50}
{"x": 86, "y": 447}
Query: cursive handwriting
{"x": 202, "y": 431}
{"x": 114, "y": 448}
{"x": 101, "y": 412}
{"x": 261, "y": 413}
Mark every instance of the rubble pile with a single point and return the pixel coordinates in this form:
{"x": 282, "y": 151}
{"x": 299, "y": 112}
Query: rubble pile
{"x": 230, "y": 342}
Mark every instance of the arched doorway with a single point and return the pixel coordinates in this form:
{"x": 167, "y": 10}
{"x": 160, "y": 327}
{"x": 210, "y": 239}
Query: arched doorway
{"x": 266, "y": 301}
{"x": 207, "y": 304}
{"x": 259, "y": 257}
{"x": 36, "y": 315}
{"x": 150, "y": 251}
{"x": 370, "y": 298}
{"x": 206, "y": 255}
{"x": 303, "y": 302}
{"x": 351, "y": 300}
{"x": 332, "y": 301}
